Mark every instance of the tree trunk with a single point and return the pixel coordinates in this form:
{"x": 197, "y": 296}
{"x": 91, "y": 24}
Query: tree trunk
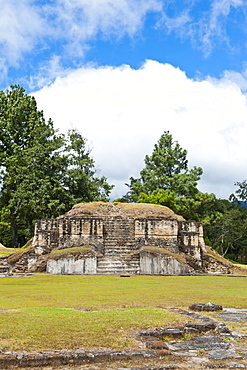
{"x": 14, "y": 232}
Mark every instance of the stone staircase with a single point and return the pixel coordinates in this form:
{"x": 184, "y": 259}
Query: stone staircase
{"x": 120, "y": 255}
{"x": 5, "y": 269}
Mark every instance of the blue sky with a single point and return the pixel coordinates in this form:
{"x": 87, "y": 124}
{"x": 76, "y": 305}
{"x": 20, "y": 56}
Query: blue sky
{"x": 200, "y": 37}
{"x": 124, "y": 71}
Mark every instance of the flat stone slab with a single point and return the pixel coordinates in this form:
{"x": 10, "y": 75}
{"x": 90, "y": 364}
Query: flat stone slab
{"x": 219, "y": 354}
{"x": 239, "y": 316}
{"x": 206, "y": 343}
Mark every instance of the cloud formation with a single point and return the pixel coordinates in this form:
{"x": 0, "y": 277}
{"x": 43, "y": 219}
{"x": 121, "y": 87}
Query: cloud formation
{"x": 123, "y": 113}
{"x": 24, "y": 25}
{"x": 21, "y": 24}
{"x": 65, "y": 28}
{"x": 205, "y": 28}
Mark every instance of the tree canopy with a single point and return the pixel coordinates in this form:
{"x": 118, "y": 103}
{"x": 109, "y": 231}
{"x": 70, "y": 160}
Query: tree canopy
{"x": 167, "y": 180}
{"x": 43, "y": 173}
{"x": 166, "y": 168}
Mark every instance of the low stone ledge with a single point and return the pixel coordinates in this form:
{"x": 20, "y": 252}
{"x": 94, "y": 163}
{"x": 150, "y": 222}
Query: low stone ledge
{"x": 10, "y": 360}
{"x": 164, "y": 332}
{"x": 200, "y": 327}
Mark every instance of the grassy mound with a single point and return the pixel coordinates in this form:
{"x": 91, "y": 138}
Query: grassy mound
{"x": 124, "y": 210}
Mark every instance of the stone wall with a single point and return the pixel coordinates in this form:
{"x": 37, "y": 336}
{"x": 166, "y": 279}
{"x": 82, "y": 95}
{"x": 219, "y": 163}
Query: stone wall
{"x": 70, "y": 265}
{"x": 160, "y": 264}
{"x": 66, "y": 233}
{"x": 118, "y": 244}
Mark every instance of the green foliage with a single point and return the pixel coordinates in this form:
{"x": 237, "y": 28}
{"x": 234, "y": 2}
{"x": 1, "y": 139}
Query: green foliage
{"x": 43, "y": 173}
{"x": 200, "y": 207}
{"x": 167, "y": 169}
{"x": 81, "y": 177}
{"x": 241, "y": 193}
{"x": 167, "y": 180}
{"x": 159, "y": 196}
{"x": 228, "y": 234}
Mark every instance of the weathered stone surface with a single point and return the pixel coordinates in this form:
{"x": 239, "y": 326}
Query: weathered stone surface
{"x": 235, "y": 365}
{"x": 234, "y": 316}
{"x": 206, "y": 343}
{"x": 164, "y": 332}
{"x": 237, "y": 335}
{"x": 71, "y": 266}
{"x": 160, "y": 264}
{"x": 205, "y": 307}
{"x": 200, "y": 327}
{"x": 219, "y": 354}
{"x": 5, "y": 269}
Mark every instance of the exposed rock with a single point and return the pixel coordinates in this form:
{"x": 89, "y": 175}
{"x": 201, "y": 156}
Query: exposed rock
{"x": 219, "y": 354}
{"x": 164, "y": 332}
{"x": 205, "y": 307}
{"x": 235, "y": 365}
{"x": 206, "y": 343}
{"x": 232, "y": 316}
{"x": 200, "y": 327}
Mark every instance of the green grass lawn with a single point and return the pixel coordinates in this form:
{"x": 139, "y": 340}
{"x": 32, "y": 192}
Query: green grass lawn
{"x": 50, "y": 312}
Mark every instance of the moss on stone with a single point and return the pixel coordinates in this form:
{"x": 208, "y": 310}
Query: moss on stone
{"x": 74, "y": 251}
{"x": 165, "y": 252}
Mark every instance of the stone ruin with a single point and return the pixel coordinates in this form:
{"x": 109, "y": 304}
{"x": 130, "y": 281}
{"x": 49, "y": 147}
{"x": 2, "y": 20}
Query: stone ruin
{"x": 120, "y": 238}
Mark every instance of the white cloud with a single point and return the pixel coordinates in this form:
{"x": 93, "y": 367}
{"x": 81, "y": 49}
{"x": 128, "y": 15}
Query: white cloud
{"x": 26, "y": 25}
{"x": 79, "y": 21}
{"x": 215, "y": 27}
{"x": 21, "y": 24}
{"x": 205, "y": 28}
{"x": 48, "y": 72}
{"x": 84, "y": 18}
{"x": 123, "y": 112}
{"x": 70, "y": 26}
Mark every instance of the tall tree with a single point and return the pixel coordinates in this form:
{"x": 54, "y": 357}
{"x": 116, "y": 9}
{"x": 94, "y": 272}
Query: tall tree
{"x": 167, "y": 180}
{"x": 42, "y": 173}
{"x": 26, "y": 142}
{"x": 166, "y": 168}
{"x": 81, "y": 178}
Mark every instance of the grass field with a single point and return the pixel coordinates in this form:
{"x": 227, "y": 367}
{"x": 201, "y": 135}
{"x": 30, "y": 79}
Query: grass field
{"x": 53, "y": 312}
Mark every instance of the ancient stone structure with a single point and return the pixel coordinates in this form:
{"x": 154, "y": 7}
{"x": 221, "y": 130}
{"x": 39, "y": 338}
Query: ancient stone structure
{"x": 121, "y": 238}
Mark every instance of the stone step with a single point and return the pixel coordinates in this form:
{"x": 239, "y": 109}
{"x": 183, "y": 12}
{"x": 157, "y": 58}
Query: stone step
{"x": 116, "y": 261}
{"x": 114, "y": 267}
{"x": 120, "y": 250}
{"x": 122, "y": 254}
{"x": 124, "y": 250}
{"x": 118, "y": 246}
{"x": 113, "y": 241}
{"x": 118, "y": 271}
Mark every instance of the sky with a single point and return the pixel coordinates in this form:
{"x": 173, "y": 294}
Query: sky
{"x": 124, "y": 71}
